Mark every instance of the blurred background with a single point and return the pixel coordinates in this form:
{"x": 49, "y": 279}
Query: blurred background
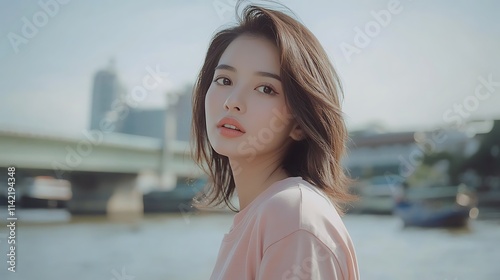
{"x": 95, "y": 118}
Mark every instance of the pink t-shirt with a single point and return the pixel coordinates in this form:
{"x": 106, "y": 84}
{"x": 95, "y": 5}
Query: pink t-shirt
{"x": 290, "y": 231}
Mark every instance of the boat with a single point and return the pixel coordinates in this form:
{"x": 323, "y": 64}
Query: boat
{"x": 376, "y": 196}
{"x": 45, "y": 192}
{"x": 444, "y": 206}
{"x": 179, "y": 199}
{"x": 488, "y": 201}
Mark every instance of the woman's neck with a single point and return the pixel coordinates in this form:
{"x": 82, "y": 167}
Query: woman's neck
{"x": 252, "y": 178}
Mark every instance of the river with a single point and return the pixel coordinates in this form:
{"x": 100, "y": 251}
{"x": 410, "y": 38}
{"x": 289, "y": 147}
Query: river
{"x": 51, "y": 244}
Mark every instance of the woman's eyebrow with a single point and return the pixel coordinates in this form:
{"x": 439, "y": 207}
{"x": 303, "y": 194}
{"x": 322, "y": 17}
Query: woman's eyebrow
{"x": 270, "y": 75}
{"x": 260, "y": 73}
{"x": 225, "y": 67}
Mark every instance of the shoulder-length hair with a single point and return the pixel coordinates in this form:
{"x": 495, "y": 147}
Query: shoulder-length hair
{"x": 312, "y": 92}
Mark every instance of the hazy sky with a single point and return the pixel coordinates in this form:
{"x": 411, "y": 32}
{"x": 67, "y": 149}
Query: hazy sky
{"x": 414, "y": 68}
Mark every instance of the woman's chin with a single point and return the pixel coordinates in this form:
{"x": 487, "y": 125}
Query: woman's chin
{"x": 231, "y": 153}
{"x": 224, "y": 150}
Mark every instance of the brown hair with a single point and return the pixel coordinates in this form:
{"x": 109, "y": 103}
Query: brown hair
{"x": 312, "y": 92}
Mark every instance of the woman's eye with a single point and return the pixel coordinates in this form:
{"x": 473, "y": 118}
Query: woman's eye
{"x": 266, "y": 90}
{"x": 225, "y": 81}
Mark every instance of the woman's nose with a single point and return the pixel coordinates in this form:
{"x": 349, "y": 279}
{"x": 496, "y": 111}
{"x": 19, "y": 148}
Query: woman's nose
{"x": 234, "y": 101}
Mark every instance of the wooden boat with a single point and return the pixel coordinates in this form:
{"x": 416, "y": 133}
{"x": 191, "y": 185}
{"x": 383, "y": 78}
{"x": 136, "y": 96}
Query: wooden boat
{"x": 449, "y": 206}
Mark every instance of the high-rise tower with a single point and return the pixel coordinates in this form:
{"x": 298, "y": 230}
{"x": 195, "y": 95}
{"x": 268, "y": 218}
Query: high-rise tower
{"x": 106, "y": 90}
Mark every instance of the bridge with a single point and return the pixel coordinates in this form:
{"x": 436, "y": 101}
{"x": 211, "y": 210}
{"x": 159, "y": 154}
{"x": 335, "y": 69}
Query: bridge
{"x": 106, "y": 170}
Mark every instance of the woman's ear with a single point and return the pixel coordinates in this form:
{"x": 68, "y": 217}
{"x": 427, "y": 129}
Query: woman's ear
{"x": 297, "y": 133}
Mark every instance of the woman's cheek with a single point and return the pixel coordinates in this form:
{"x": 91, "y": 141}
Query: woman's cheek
{"x": 210, "y": 103}
{"x": 214, "y": 100}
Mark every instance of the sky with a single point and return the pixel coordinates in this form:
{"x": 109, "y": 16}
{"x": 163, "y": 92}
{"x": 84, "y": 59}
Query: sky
{"x": 420, "y": 62}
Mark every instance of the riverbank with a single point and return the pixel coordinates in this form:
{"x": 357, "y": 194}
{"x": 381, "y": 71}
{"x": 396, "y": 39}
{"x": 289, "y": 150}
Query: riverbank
{"x": 184, "y": 247}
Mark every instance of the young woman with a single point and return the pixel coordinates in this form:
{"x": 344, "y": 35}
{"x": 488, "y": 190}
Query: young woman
{"x": 267, "y": 123}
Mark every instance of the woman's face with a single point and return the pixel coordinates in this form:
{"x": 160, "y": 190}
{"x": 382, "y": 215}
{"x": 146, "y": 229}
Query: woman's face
{"x": 246, "y": 88}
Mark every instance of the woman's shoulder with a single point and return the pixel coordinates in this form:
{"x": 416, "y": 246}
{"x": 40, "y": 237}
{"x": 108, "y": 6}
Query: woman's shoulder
{"x": 296, "y": 196}
{"x": 300, "y": 206}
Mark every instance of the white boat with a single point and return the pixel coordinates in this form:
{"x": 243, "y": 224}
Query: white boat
{"x": 45, "y": 192}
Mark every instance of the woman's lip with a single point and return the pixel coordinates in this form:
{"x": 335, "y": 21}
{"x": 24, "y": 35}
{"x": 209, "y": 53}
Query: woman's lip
{"x": 230, "y": 121}
{"x": 229, "y": 133}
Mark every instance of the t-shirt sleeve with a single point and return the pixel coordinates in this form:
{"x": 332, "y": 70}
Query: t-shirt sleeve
{"x": 300, "y": 255}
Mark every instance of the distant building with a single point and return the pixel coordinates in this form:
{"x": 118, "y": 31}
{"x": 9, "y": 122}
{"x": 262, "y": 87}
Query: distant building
{"x": 106, "y": 90}
{"x": 145, "y": 122}
{"x": 152, "y": 122}
{"x": 373, "y": 154}
{"x": 401, "y": 153}
{"x": 184, "y": 115}
{"x": 138, "y": 121}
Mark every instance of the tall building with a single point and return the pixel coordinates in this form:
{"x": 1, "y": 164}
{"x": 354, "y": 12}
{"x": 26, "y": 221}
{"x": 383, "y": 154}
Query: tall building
{"x": 137, "y": 121}
{"x": 145, "y": 122}
{"x": 153, "y": 122}
{"x": 184, "y": 114}
{"x": 106, "y": 90}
